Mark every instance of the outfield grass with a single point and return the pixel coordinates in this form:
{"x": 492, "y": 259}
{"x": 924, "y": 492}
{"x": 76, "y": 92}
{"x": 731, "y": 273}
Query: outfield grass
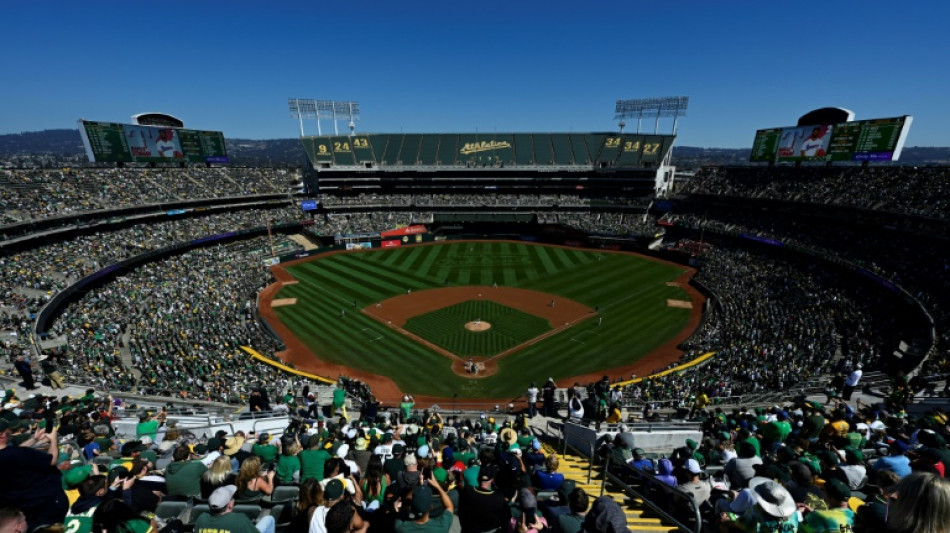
{"x": 629, "y": 291}
{"x": 446, "y": 328}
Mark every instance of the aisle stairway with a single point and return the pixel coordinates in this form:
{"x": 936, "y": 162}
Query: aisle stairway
{"x": 575, "y": 468}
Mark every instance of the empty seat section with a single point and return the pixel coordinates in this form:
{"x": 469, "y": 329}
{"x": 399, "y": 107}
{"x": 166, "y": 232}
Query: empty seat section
{"x": 500, "y": 149}
{"x": 562, "y": 149}
{"x": 579, "y": 146}
{"x": 630, "y": 151}
{"x": 362, "y": 149}
{"x": 429, "y": 151}
{"x": 595, "y": 143}
{"x": 448, "y": 149}
{"x": 391, "y": 156}
{"x": 524, "y": 149}
{"x": 653, "y": 149}
{"x": 320, "y": 149}
{"x": 543, "y": 153}
{"x": 409, "y": 154}
{"x": 377, "y": 144}
{"x": 342, "y": 150}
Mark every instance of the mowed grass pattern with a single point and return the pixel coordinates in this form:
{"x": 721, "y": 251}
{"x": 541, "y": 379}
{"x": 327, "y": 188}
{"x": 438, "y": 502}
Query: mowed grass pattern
{"x": 446, "y": 328}
{"x": 629, "y": 291}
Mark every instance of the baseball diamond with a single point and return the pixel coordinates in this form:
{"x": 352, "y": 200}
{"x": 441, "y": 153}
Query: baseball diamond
{"x": 381, "y": 315}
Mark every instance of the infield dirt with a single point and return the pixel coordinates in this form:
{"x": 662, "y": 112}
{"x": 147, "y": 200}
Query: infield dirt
{"x": 386, "y": 390}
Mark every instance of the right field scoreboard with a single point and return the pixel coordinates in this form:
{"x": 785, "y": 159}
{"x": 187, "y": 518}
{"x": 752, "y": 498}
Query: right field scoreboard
{"x": 863, "y": 140}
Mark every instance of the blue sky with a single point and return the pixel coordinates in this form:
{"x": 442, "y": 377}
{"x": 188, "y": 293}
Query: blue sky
{"x": 515, "y": 65}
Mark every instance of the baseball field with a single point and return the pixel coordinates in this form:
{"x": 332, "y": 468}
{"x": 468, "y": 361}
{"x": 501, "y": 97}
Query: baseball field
{"x": 422, "y": 317}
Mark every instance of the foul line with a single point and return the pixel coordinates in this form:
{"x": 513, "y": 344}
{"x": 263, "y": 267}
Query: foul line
{"x": 680, "y": 368}
{"x": 283, "y": 367}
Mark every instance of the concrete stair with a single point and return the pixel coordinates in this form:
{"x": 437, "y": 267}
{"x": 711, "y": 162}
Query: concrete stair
{"x": 576, "y": 469}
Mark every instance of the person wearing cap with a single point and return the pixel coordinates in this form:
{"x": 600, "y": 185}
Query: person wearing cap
{"x": 266, "y": 448}
{"x": 334, "y": 492}
{"x": 605, "y": 516}
{"x": 420, "y": 506}
{"x": 93, "y": 491}
{"x": 131, "y": 451}
{"x": 313, "y": 459}
{"x": 344, "y": 518}
{"x": 741, "y": 469}
{"x": 222, "y": 520}
{"x": 838, "y": 517}
{"x": 640, "y": 462}
{"x": 481, "y": 508}
{"x": 700, "y": 490}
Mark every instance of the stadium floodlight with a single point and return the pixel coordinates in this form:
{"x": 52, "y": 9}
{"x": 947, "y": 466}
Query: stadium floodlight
{"x": 302, "y": 108}
{"x": 667, "y": 106}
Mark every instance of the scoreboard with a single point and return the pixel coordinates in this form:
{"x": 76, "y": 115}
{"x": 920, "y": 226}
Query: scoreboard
{"x": 119, "y": 143}
{"x": 864, "y": 140}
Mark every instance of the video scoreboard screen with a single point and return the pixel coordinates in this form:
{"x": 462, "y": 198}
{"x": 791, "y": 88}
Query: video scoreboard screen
{"x": 114, "y": 143}
{"x": 864, "y": 140}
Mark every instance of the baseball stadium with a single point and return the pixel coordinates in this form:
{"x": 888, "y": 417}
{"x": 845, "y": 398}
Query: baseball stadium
{"x": 575, "y": 287}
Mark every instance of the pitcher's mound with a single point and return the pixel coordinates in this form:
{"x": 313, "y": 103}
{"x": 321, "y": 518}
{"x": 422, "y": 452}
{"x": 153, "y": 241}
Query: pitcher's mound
{"x": 477, "y": 325}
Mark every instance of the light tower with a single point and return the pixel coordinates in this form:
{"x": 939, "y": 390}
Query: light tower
{"x": 666, "y": 106}
{"x": 302, "y": 108}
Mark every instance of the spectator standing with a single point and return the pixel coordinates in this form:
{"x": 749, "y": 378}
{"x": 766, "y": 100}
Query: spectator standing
{"x": 25, "y": 369}
{"x": 532, "y": 398}
{"x": 852, "y": 382}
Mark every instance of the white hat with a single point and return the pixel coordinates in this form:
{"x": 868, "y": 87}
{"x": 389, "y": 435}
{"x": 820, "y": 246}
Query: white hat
{"x": 342, "y": 450}
{"x": 774, "y": 499}
{"x": 693, "y": 466}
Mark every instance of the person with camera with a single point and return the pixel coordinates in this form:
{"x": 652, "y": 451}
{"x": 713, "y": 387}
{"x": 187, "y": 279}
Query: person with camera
{"x": 420, "y": 505}
{"x": 35, "y": 485}
{"x": 252, "y": 482}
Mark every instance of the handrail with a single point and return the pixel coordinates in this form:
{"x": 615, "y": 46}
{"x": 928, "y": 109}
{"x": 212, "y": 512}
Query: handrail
{"x": 698, "y": 521}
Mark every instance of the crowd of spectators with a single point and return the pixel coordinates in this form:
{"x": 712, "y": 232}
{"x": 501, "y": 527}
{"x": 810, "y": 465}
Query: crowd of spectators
{"x": 183, "y": 319}
{"x": 802, "y": 466}
{"x": 27, "y": 194}
{"x": 779, "y": 324}
{"x": 395, "y": 471}
{"x": 922, "y": 191}
{"x": 31, "y": 277}
{"x": 916, "y": 262}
